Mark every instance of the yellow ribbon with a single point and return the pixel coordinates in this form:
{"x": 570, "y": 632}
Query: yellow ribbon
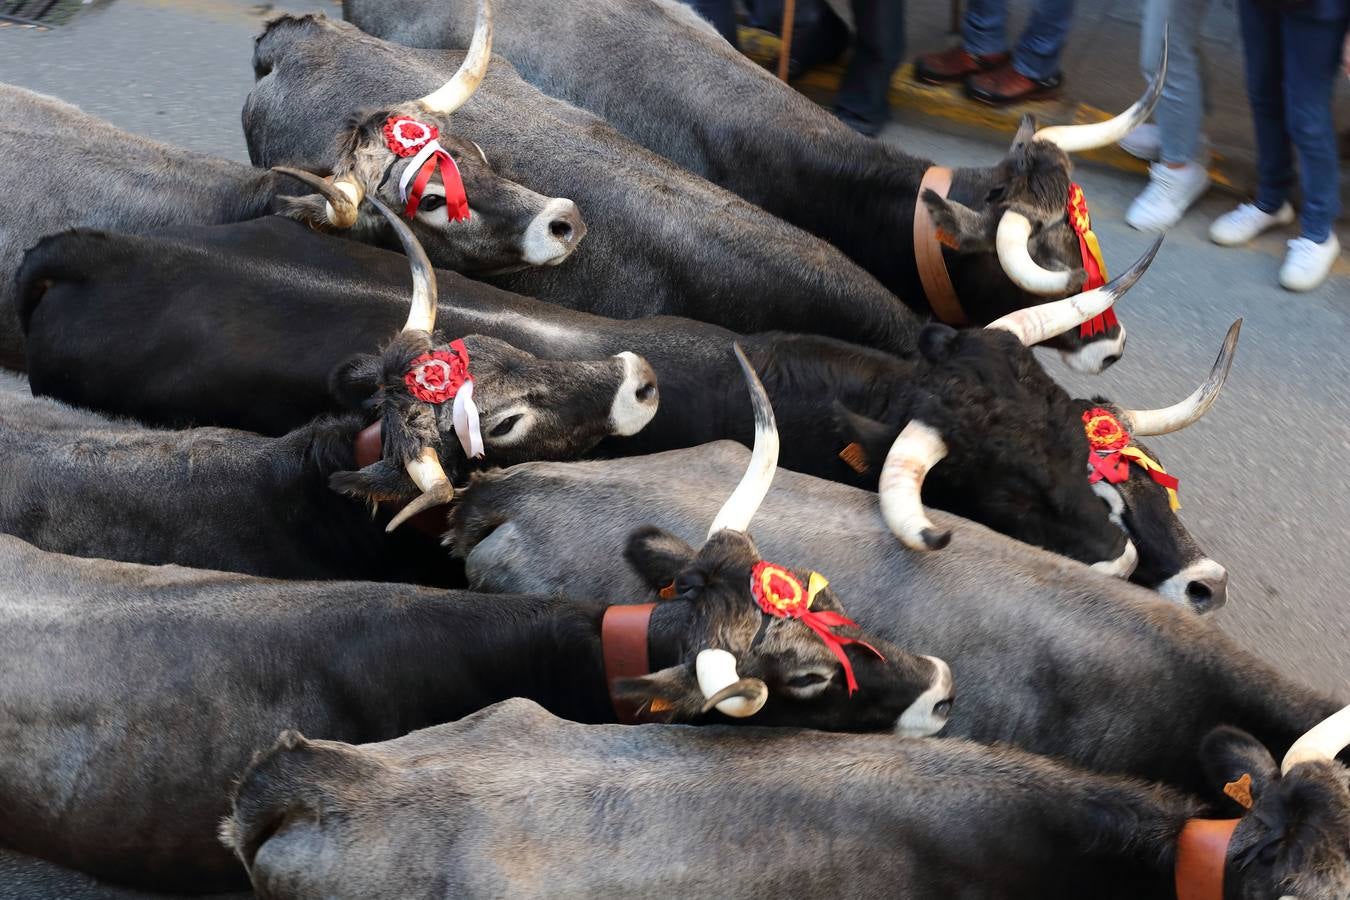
{"x": 1151, "y": 465}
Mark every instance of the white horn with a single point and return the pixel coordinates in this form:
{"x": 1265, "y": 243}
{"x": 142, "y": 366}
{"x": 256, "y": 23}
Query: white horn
{"x": 917, "y": 449}
{"x": 740, "y": 508}
{"x": 716, "y": 671}
{"x": 1322, "y": 742}
{"x": 1075, "y": 138}
{"x": 456, "y": 92}
{"x": 1011, "y": 241}
{"x": 342, "y": 195}
{"x": 1043, "y": 321}
{"x": 1145, "y": 422}
{"x": 422, "y": 313}
{"x": 430, "y": 478}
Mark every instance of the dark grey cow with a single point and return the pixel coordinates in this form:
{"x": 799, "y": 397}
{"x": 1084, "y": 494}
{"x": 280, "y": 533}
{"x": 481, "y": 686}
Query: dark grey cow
{"x": 1049, "y": 656}
{"x": 25, "y": 877}
{"x": 513, "y": 802}
{"x": 98, "y": 176}
{"x": 666, "y": 80}
{"x": 660, "y": 240}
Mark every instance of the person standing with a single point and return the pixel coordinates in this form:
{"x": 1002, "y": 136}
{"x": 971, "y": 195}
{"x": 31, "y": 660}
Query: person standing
{"x": 1178, "y": 175}
{"x": 1294, "y": 55}
{"x": 992, "y": 74}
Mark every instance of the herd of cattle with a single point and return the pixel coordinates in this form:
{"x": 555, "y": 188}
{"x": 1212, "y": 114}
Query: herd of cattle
{"x": 327, "y": 570}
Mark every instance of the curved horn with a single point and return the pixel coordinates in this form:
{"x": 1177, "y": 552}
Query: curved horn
{"x": 1043, "y": 321}
{"x": 455, "y": 92}
{"x": 427, "y": 474}
{"x": 1322, "y": 742}
{"x": 1145, "y": 422}
{"x": 1073, "y": 138}
{"x": 343, "y": 195}
{"x": 918, "y": 448}
{"x": 1011, "y": 243}
{"x": 741, "y": 506}
{"x": 422, "y": 314}
{"x": 723, "y": 689}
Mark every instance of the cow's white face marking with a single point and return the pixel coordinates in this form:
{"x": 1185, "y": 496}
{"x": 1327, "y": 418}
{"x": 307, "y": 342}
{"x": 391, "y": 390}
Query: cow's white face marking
{"x": 636, "y": 401}
{"x": 1209, "y": 575}
{"x": 1115, "y": 504}
{"x": 1095, "y": 356}
{"x": 924, "y": 717}
{"x": 553, "y": 234}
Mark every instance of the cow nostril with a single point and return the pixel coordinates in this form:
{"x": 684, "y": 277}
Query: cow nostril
{"x": 1206, "y": 595}
{"x": 561, "y": 229}
{"x": 1110, "y": 360}
{"x": 647, "y": 392}
{"x": 943, "y": 708}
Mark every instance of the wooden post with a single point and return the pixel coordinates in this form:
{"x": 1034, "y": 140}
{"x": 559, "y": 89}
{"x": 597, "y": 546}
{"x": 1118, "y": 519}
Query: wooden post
{"x": 789, "y": 15}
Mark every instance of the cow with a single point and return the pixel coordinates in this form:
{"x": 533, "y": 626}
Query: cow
{"x": 296, "y": 506}
{"x": 131, "y": 696}
{"x": 227, "y": 299}
{"x": 985, "y": 241}
{"x": 98, "y": 176}
{"x": 660, "y": 240}
{"x": 469, "y": 809}
{"x": 30, "y": 878}
{"x": 1050, "y": 656}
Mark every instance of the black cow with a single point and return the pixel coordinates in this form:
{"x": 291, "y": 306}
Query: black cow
{"x": 615, "y": 812}
{"x": 98, "y": 176}
{"x": 666, "y": 80}
{"x": 229, "y": 299}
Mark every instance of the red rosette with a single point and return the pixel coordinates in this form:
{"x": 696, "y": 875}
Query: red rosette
{"x": 437, "y": 376}
{"x": 1104, "y": 431}
{"x": 405, "y": 136}
{"x": 777, "y": 591}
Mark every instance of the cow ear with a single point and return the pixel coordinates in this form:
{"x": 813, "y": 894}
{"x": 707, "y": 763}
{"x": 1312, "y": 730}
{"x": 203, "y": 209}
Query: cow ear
{"x": 1026, "y": 133}
{"x": 960, "y": 227}
{"x": 936, "y": 341}
{"x": 379, "y": 482}
{"x": 356, "y": 380}
{"x": 658, "y": 556}
{"x": 1237, "y": 766}
{"x": 670, "y": 695}
{"x": 866, "y": 441}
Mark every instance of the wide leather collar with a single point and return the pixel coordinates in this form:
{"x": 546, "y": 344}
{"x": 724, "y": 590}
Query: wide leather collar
{"x": 928, "y": 244}
{"x": 1202, "y": 850}
{"x": 623, "y": 643}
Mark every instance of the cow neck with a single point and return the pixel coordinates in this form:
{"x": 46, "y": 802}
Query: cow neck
{"x": 1202, "y": 850}
{"x": 256, "y": 196}
{"x": 929, "y": 244}
{"x": 369, "y": 449}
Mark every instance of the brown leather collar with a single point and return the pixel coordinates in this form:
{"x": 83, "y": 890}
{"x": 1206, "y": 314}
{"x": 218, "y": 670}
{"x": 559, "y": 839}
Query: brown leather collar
{"x": 623, "y": 642}
{"x": 1202, "y": 850}
{"x": 369, "y": 449}
{"x": 933, "y": 274}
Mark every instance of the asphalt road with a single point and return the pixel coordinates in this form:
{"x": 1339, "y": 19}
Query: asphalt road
{"x": 1263, "y": 477}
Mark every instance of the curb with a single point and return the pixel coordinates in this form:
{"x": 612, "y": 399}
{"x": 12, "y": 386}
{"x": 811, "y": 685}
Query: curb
{"x": 948, "y": 103}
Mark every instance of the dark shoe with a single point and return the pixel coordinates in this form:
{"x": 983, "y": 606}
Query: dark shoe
{"x": 954, "y": 65}
{"x": 1007, "y": 85}
{"x": 865, "y": 127}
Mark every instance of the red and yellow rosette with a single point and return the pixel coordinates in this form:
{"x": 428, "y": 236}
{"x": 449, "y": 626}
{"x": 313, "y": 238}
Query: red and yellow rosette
{"x": 1111, "y": 453}
{"x": 779, "y": 593}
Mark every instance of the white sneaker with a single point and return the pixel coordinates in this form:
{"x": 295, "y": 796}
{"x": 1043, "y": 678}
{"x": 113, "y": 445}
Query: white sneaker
{"x": 1169, "y": 194}
{"x": 1308, "y": 263}
{"x": 1246, "y": 222}
{"x": 1144, "y": 142}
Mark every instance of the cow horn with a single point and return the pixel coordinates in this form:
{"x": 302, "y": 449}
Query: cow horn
{"x": 723, "y": 689}
{"x": 343, "y": 195}
{"x": 427, "y": 474}
{"x": 1011, "y": 243}
{"x": 422, "y": 313}
{"x": 1043, "y": 321}
{"x": 1145, "y": 422}
{"x": 918, "y": 448}
{"x": 456, "y": 92}
{"x": 740, "y": 508}
{"x": 1075, "y": 138}
{"x": 1322, "y": 742}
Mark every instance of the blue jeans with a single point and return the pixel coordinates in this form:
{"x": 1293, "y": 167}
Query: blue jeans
{"x": 1292, "y": 65}
{"x": 878, "y": 49}
{"x": 1181, "y": 111}
{"x": 1037, "y": 54}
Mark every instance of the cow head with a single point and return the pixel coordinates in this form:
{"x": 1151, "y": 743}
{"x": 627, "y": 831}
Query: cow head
{"x": 449, "y": 403}
{"x": 1293, "y": 840}
{"x": 1018, "y": 229}
{"x": 1009, "y": 438}
{"x": 469, "y": 218}
{"x": 1170, "y": 560}
{"x": 765, "y": 641}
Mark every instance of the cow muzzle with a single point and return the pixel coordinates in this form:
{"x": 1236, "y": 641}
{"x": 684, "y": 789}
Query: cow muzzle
{"x": 637, "y": 398}
{"x": 1202, "y": 585}
{"x": 928, "y": 714}
{"x": 552, "y": 235}
{"x": 1095, "y": 356}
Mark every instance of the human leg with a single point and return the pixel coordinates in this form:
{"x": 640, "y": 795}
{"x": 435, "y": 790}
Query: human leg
{"x": 863, "y": 100}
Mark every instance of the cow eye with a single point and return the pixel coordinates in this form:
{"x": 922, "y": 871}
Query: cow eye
{"x": 503, "y": 428}
{"x": 430, "y": 202}
{"x": 806, "y": 680}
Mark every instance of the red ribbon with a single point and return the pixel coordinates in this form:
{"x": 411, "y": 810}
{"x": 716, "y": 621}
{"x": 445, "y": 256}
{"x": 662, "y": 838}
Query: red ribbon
{"x": 1091, "y": 253}
{"x": 456, "y": 201}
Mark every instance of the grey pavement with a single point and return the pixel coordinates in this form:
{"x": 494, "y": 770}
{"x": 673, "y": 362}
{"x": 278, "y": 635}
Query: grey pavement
{"x": 1263, "y": 478}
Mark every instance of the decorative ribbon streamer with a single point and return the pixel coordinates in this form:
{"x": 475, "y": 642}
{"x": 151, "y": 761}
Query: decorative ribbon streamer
{"x": 406, "y": 136}
{"x": 779, "y": 593}
{"x": 1091, "y": 252}
{"x": 1111, "y": 452}
{"x": 464, "y": 414}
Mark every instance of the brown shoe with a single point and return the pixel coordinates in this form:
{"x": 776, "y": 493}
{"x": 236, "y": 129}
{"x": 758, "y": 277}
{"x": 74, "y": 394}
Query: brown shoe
{"x": 1007, "y": 85}
{"x": 954, "y": 65}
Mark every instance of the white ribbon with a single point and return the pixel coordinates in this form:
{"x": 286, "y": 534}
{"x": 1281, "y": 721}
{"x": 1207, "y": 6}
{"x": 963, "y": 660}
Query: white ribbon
{"x": 464, "y": 415}
{"x": 428, "y": 150}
